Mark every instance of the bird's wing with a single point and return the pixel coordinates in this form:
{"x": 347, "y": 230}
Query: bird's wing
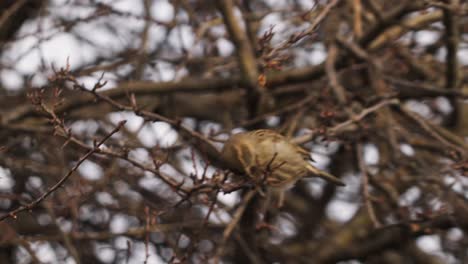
{"x": 266, "y": 134}
{"x": 277, "y": 138}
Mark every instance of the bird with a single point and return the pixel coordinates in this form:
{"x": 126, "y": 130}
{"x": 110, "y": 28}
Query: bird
{"x": 267, "y": 157}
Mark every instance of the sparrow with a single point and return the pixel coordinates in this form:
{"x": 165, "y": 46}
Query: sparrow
{"x": 269, "y": 158}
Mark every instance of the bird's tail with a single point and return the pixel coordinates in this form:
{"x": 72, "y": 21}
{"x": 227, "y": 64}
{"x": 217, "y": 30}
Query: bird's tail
{"x": 314, "y": 172}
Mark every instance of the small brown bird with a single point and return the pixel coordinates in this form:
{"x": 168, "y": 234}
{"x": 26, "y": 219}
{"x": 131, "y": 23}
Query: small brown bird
{"x": 267, "y": 156}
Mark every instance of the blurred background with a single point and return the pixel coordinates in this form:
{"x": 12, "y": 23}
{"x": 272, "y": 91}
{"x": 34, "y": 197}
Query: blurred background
{"x": 376, "y": 90}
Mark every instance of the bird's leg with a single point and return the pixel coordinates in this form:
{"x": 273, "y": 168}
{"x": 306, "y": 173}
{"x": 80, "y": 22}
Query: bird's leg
{"x": 263, "y": 211}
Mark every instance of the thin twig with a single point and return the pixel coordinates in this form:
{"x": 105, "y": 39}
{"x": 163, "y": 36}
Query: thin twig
{"x": 236, "y": 218}
{"x": 354, "y": 119}
{"x": 365, "y": 187}
{"x": 34, "y": 203}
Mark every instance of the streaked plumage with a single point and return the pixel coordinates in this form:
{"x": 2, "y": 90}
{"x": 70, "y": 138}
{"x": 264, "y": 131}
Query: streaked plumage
{"x": 267, "y": 155}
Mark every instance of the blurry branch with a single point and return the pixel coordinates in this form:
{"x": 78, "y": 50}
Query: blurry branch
{"x": 451, "y": 23}
{"x": 357, "y": 18}
{"x": 379, "y": 36}
{"x": 396, "y": 31}
{"x": 390, "y": 18}
{"x": 200, "y": 85}
{"x": 452, "y": 74}
{"x": 191, "y": 85}
{"x": 31, "y": 166}
{"x": 448, "y": 139}
{"x": 338, "y": 89}
{"x": 257, "y": 97}
{"x": 418, "y": 67}
{"x": 245, "y": 52}
{"x": 421, "y": 90}
{"x": 295, "y": 106}
{"x": 353, "y": 48}
{"x": 377, "y": 240}
{"x": 365, "y": 186}
{"x": 94, "y": 149}
{"x": 9, "y": 12}
{"x": 343, "y": 126}
{"x": 235, "y": 220}
{"x": 293, "y": 39}
{"x": 358, "y": 240}
{"x": 201, "y": 144}
{"x": 137, "y": 232}
{"x": 124, "y": 156}
{"x": 140, "y": 62}
{"x": 14, "y": 14}
{"x": 65, "y": 236}
{"x": 252, "y": 23}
